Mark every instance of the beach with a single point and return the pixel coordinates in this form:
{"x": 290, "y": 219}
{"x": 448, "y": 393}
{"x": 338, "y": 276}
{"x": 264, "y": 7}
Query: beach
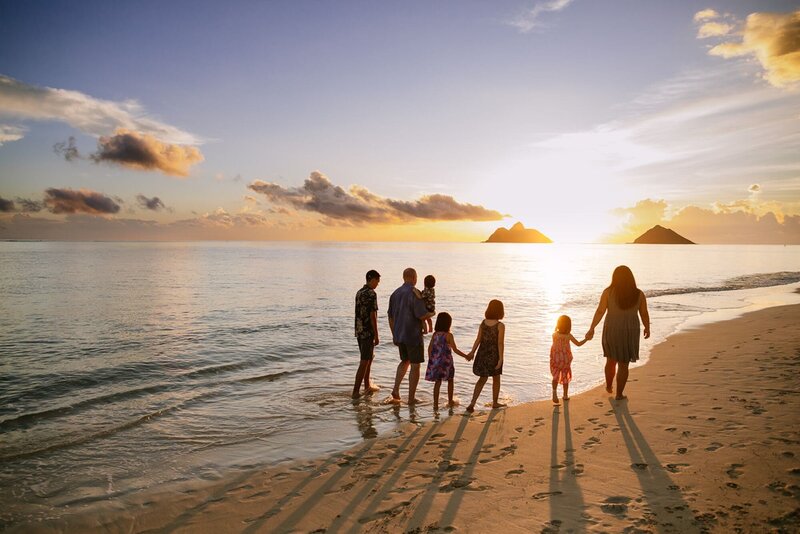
{"x": 708, "y": 440}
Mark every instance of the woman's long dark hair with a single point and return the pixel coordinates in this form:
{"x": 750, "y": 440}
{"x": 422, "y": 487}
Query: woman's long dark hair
{"x": 623, "y": 287}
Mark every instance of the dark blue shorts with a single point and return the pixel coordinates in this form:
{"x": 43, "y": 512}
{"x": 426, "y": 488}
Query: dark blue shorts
{"x": 412, "y": 353}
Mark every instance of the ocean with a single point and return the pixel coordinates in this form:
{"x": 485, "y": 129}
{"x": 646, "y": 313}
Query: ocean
{"x": 128, "y": 365}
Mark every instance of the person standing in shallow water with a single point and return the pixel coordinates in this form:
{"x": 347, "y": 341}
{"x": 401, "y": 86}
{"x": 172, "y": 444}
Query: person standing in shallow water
{"x": 490, "y": 345}
{"x": 366, "y": 328}
{"x": 625, "y": 303}
{"x": 406, "y": 313}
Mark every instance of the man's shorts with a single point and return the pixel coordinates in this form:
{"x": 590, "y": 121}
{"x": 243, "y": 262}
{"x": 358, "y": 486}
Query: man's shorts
{"x": 367, "y": 348}
{"x": 412, "y": 353}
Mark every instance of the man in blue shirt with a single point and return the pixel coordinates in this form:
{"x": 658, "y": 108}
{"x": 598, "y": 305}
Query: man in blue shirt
{"x": 406, "y": 313}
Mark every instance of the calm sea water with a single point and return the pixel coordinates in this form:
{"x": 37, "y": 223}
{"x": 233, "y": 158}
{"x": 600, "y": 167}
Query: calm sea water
{"x": 125, "y": 365}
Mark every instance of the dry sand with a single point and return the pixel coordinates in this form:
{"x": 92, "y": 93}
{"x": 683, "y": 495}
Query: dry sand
{"x": 708, "y": 441}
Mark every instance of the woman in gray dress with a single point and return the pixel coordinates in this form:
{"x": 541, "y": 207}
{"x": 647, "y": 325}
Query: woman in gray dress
{"x": 624, "y": 303}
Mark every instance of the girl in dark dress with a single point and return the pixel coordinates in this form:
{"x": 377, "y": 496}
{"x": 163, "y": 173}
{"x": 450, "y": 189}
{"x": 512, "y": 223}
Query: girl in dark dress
{"x": 489, "y": 358}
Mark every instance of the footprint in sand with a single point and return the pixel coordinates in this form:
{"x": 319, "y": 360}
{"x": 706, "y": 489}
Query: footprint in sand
{"x": 675, "y": 468}
{"x": 714, "y": 446}
{"x": 682, "y": 450}
{"x": 514, "y": 472}
{"x": 546, "y": 494}
{"x": 578, "y": 469}
{"x": 591, "y": 442}
{"x": 389, "y": 512}
{"x": 735, "y": 470}
{"x": 617, "y": 505}
{"x": 639, "y": 466}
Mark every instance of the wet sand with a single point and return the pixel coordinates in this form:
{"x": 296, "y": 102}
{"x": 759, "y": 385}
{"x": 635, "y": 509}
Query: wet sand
{"x": 709, "y": 440}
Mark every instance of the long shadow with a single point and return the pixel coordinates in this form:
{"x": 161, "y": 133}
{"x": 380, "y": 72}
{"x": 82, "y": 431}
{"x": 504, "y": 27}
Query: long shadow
{"x": 449, "y": 513}
{"x": 433, "y": 486}
{"x": 389, "y": 485}
{"x": 344, "y": 515}
{"x": 661, "y": 493}
{"x": 255, "y": 524}
{"x": 563, "y": 479}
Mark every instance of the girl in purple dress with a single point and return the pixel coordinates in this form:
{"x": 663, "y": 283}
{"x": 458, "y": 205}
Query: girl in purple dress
{"x": 440, "y": 359}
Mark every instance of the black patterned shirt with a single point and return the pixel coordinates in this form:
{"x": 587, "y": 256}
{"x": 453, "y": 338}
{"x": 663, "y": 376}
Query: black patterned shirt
{"x": 366, "y": 303}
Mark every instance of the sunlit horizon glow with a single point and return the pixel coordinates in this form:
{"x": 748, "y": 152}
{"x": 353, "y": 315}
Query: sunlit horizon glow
{"x": 688, "y": 117}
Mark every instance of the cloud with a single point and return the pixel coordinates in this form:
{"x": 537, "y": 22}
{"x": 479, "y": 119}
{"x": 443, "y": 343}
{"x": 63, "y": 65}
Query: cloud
{"x": 81, "y": 201}
{"x": 67, "y": 149}
{"x": 144, "y": 152}
{"x": 359, "y": 206}
{"x": 713, "y": 29}
{"x": 740, "y": 221}
{"x": 153, "y": 204}
{"x": 530, "y": 19}
{"x": 9, "y": 133}
{"x": 251, "y": 199}
{"x": 27, "y": 206}
{"x": 7, "y": 206}
{"x": 755, "y": 188}
{"x": 773, "y": 38}
{"x": 23, "y": 205}
{"x": 705, "y": 14}
{"x": 90, "y": 115}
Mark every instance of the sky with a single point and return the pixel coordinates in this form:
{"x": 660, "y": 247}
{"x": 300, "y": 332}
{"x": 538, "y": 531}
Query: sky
{"x": 408, "y": 121}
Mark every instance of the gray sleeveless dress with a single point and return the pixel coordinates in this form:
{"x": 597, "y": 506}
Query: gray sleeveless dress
{"x": 621, "y": 331}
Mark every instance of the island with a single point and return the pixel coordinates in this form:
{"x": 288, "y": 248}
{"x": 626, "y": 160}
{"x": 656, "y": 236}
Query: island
{"x": 658, "y": 235}
{"x": 518, "y": 234}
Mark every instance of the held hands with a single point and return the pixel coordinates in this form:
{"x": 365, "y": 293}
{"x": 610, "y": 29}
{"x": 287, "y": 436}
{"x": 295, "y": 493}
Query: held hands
{"x": 646, "y": 332}
{"x": 589, "y": 334}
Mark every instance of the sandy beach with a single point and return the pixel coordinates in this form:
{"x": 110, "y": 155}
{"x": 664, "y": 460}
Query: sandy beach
{"x": 709, "y": 440}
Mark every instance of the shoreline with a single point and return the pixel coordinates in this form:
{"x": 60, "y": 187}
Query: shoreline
{"x": 713, "y": 446}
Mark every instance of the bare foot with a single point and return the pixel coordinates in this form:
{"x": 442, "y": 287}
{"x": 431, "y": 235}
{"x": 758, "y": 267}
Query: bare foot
{"x": 453, "y": 402}
{"x": 412, "y": 402}
{"x": 621, "y": 397}
{"x": 372, "y": 389}
{"x": 470, "y": 408}
{"x": 497, "y": 405}
{"x": 395, "y": 394}
{"x": 566, "y": 398}
{"x": 356, "y": 395}
{"x": 555, "y": 402}
{"x": 609, "y": 389}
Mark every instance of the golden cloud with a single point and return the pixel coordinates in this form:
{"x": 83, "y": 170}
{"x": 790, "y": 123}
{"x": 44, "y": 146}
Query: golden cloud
{"x": 774, "y": 39}
{"x": 141, "y": 151}
{"x": 705, "y": 14}
{"x": 714, "y": 29}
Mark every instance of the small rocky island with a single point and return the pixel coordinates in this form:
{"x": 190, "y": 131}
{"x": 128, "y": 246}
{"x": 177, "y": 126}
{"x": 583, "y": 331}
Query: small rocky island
{"x": 658, "y": 235}
{"x": 518, "y": 234}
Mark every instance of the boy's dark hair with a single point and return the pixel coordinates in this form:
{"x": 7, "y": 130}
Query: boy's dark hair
{"x": 564, "y": 325}
{"x": 443, "y": 322}
{"x": 495, "y": 310}
{"x": 372, "y": 274}
{"x": 430, "y": 281}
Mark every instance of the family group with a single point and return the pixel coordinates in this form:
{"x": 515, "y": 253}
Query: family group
{"x": 410, "y": 312}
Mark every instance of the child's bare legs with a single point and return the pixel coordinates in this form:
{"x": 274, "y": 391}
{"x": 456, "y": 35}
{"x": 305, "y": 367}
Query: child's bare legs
{"x": 477, "y": 392}
{"x": 450, "y": 400}
{"x": 436, "y": 386}
{"x": 496, "y": 392}
{"x": 555, "y": 391}
{"x": 566, "y": 392}
{"x": 428, "y": 326}
{"x": 611, "y": 370}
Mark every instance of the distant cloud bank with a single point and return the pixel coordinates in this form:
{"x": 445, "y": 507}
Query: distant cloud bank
{"x": 359, "y": 206}
{"x": 738, "y": 222}
{"x": 773, "y": 38}
{"x": 153, "y": 204}
{"x": 81, "y": 201}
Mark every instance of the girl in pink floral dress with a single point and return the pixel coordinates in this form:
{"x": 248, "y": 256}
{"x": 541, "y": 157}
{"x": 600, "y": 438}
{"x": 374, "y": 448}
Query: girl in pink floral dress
{"x": 561, "y": 356}
{"x": 440, "y": 359}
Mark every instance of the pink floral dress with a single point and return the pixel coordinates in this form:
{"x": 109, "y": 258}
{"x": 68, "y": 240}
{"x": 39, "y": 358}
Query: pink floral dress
{"x": 440, "y": 364}
{"x": 561, "y": 359}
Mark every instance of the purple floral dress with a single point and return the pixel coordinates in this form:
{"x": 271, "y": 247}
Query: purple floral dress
{"x": 440, "y": 364}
